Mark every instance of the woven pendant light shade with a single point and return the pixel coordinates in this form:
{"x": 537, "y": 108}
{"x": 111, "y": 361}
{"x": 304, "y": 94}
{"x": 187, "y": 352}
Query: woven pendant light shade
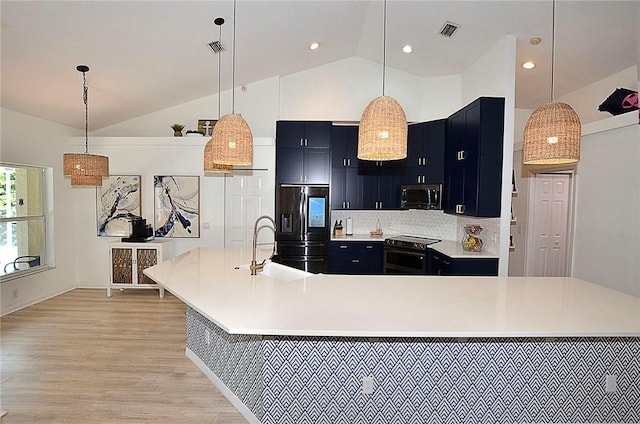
{"x": 552, "y": 136}
{"x": 232, "y": 141}
{"x": 85, "y": 169}
{"x": 210, "y": 166}
{"x": 382, "y": 134}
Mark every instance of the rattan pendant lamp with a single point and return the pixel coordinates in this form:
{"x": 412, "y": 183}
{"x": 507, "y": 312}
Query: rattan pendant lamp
{"x": 232, "y": 138}
{"x": 83, "y": 168}
{"x": 382, "y": 134}
{"x": 209, "y": 165}
{"x": 552, "y": 133}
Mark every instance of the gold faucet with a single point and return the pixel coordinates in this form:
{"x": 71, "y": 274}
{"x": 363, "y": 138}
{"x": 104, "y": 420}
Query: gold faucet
{"x": 255, "y": 267}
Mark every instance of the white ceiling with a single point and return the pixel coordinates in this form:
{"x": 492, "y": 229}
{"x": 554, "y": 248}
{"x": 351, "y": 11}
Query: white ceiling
{"x": 148, "y": 55}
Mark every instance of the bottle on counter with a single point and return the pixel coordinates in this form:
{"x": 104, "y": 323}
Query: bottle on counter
{"x": 349, "y": 227}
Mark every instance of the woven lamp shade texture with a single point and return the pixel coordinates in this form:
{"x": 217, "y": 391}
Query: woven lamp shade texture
{"x": 232, "y": 141}
{"x": 212, "y": 167}
{"x": 383, "y": 130}
{"x": 557, "y": 122}
{"x": 84, "y": 168}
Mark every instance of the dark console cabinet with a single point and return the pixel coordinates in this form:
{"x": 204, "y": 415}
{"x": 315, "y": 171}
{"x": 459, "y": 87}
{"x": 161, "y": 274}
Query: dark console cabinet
{"x": 473, "y": 159}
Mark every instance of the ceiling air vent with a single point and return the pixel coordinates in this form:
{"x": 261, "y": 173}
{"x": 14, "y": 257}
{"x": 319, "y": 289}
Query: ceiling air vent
{"x": 215, "y": 47}
{"x": 448, "y": 29}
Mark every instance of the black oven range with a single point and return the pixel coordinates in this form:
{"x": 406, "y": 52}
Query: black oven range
{"x": 406, "y": 254}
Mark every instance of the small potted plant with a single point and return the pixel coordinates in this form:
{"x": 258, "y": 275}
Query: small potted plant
{"x": 177, "y": 130}
{"x": 195, "y": 133}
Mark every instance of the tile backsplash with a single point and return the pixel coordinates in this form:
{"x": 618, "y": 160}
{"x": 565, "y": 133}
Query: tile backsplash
{"x": 421, "y": 223}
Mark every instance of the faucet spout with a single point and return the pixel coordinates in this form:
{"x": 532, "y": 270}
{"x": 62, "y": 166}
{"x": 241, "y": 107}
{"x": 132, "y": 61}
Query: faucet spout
{"x": 255, "y": 266}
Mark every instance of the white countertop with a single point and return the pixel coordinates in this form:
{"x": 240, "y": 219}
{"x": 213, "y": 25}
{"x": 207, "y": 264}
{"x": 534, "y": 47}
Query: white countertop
{"x": 454, "y": 249}
{"x": 392, "y": 306}
{"x": 359, "y": 237}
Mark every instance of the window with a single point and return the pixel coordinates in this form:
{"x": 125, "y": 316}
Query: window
{"x": 23, "y": 220}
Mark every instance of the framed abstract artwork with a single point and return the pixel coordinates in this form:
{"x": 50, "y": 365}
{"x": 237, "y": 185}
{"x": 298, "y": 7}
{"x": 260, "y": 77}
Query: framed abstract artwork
{"x": 117, "y": 201}
{"x": 176, "y": 206}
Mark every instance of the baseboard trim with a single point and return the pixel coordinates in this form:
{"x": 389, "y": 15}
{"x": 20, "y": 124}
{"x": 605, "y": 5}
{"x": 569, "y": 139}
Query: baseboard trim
{"x": 16, "y": 308}
{"x": 235, "y": 401}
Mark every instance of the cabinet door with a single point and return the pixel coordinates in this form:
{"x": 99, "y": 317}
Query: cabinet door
{"x": 289, "y": 165}
{"x": 344, "y": 146}
{"x": 454, "y": 171}
{"x": 316, "y": 166}
{"x": 337, "y": 188}
{"x": 122, "y": 265}
{"x": 470, "y": 148}
{"x": 474, "y": 266}
{"x": 145, "y": 258}
{"x": 290, "y": 133}
{"x": 435, "y": 135}
{"x": 317, "y": 134}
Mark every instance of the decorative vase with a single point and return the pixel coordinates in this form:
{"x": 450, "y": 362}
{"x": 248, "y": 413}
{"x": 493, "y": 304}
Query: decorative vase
{"x": 471, "y": 240}
{"x": 177, "y": 133}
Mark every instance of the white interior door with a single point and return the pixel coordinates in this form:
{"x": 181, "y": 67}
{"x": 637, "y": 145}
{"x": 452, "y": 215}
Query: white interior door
{"x": 550, "y": 228}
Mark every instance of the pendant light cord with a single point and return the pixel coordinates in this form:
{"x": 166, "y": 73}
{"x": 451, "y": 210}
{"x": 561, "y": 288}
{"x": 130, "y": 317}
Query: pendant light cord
{"x": 233, "y": 63}
{"x": 384, "y": 44}
{"x": 85, "y": 97}
{"x": 219, "y": 71}
{"x": 553, "y": 50}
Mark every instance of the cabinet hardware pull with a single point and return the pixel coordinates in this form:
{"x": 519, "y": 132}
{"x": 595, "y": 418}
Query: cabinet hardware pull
{"x": 355, "y": 261}
{"x": 348, "y": 162}
{"x": 368, "y": 247}
{"x": 459, "y": 208}
{"x": 348, "y": 205}
{"x": 462, "y": 155}
{"x": 301, "y": 142}
{"x": 344, "y": 246}
{"x": 306, "y": 141}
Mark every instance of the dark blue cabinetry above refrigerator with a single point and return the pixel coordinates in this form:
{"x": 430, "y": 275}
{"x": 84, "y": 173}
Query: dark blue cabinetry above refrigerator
{"x": 303, "y": 152}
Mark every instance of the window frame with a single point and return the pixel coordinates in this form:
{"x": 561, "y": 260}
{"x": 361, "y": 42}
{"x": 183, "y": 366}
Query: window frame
{"x": 45, "y": 217}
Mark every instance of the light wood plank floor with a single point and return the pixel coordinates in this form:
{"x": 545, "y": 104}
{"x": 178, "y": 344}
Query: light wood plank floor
{"x": 84, "y": 358}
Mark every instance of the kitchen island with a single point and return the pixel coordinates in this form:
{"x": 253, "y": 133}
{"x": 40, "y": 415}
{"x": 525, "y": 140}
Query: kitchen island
{"x": 290, "y": 347}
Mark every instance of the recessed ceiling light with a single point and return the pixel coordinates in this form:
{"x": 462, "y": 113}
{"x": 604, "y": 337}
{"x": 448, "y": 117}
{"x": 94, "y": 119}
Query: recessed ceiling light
{"x": 535, "y": 41}
{"x": 314, "y": 46}
{"x": 528, "y": 65}
{"x": 407, "y": 49}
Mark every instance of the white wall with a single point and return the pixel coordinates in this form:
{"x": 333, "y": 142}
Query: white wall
{"x": 149, "y": 156}
{"x": 607, "y": 234}
{"x": 586, "y": 100}
{"x": 32, "y": 141}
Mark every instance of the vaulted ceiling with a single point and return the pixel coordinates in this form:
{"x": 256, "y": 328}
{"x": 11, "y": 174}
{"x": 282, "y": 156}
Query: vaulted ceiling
{"x": 149, "y": 55}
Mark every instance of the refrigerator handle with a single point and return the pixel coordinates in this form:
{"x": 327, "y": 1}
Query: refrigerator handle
{"x": 303, "y": 212}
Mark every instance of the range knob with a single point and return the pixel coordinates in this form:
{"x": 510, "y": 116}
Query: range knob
{"x": 419, "y": 246}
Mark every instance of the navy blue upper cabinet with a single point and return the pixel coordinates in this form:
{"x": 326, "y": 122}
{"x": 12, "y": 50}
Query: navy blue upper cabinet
{"x": 425, "y": 153}
{"x": 346, "y": 183}
{"x": 473, "y": 159}
{"x": 303, "y": 152}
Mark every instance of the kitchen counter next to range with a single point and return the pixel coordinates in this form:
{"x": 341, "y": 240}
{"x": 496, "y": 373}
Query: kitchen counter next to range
{"x": 359, "y": 237}
{"x": 292, "y": 303}
{"x": 454, "y": 249}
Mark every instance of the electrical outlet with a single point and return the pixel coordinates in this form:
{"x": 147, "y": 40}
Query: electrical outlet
{"x": 207, "y": 336}
{"x": 611, "y": 383}
{"x": 367, "y": 385}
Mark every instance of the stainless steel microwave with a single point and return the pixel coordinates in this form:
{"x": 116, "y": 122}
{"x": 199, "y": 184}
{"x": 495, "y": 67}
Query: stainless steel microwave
{"x": 421, "y": 196}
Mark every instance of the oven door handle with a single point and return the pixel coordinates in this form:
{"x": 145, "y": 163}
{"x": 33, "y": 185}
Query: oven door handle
{"x": 405, "y": 252}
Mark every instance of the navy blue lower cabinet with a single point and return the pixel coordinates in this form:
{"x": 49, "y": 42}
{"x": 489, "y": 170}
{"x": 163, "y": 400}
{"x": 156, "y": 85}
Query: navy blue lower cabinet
{"x": 441, "y": 264}
{"x": 355, "y": 257}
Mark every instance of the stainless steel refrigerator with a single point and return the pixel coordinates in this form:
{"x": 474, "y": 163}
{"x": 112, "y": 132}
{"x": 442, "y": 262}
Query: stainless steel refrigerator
{"x": 302, "y": 226}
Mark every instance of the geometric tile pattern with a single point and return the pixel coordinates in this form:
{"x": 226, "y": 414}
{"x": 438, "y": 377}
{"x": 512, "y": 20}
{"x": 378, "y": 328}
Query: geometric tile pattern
{"x": 234, "y": 358}
{"x": 424, "y": 380}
